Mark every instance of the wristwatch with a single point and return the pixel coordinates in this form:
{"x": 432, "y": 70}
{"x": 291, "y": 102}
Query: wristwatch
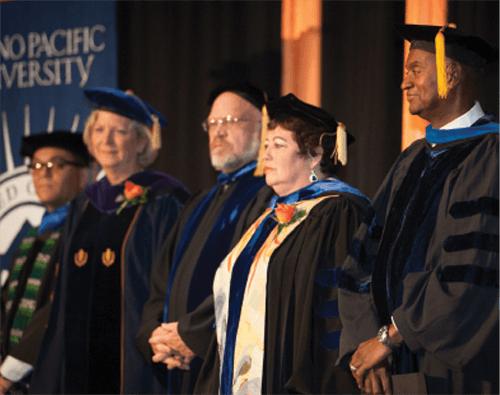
{"x": 383, "y": 337}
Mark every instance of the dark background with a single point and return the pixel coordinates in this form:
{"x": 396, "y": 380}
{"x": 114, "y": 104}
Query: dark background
{"x": 174, "y": 53}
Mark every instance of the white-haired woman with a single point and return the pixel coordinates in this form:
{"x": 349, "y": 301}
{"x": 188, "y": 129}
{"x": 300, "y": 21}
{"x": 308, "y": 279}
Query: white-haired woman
{"x": 113, "y": 235}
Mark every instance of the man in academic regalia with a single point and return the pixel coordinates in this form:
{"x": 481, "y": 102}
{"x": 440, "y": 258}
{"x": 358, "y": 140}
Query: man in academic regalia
{"x": 429, "y": 257}
{"x": 59, "y": 168}
{"x": 178, "y": 318}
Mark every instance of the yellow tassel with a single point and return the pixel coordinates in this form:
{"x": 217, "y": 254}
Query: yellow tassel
{"x": 155, "y": 133}
{"x": 155, "y": 127}
{"x": 341, "y": 144}
{"x": 259, "y": 170}
{"x": 442, "y": 84}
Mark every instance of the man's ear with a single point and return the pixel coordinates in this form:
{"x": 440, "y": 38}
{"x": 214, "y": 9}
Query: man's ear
{"x": 454, "y": 74}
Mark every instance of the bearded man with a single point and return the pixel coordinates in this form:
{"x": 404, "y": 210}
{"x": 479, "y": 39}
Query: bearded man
{"x": 177, "y": 320}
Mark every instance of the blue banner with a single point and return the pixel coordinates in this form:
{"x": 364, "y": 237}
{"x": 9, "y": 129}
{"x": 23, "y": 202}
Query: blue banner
{"x": 49, "y": 52}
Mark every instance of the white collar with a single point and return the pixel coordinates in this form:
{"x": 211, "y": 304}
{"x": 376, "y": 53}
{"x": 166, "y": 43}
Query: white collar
{"x": 466, "y": 120}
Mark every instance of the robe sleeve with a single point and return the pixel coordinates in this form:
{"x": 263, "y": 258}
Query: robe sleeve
{"x": 327, "y": 377}
{"x": 318, "y": 249}
{"x": 208, "y": 379}
{"x": 197, "y": 327}
{"x": 451, "y": 308}
{"x": 359, "y": 316}
{"x": 28, "y": 348}
{"x": 152, "y": 313}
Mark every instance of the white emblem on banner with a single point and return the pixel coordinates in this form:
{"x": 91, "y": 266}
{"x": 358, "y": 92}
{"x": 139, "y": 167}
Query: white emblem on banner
{"x": 18, "y": 201}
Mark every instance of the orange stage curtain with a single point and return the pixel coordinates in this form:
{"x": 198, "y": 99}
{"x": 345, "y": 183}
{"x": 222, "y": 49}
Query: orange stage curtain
{"x": 301, "y": 49}
{"x": 420, "y": 12}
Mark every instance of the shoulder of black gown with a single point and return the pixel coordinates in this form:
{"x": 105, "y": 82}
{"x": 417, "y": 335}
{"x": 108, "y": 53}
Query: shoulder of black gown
{"x": 159, "y": 214}
{"x": 336, "y": 219}
{"x": 76, "y": 209}
{"x": 106, "y": 197}
{"x": 163, "y": 183}
{"x": 165, "y": 191}
{"x": 253, "y": 210}
{"x": 192, "y": 202}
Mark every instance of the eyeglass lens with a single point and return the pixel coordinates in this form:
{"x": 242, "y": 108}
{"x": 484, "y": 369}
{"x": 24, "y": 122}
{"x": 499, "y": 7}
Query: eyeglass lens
{"x": 57, "y": 163}
{"x": 228, "y": 119}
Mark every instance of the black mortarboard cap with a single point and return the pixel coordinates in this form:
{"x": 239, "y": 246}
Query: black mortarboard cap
{"x": 291, "y": 106}
{"x": 245, "y": 90}
{"x": 466, "y": 49}
{"x": 124, "y": 103}
{"x": 64, "y": 139}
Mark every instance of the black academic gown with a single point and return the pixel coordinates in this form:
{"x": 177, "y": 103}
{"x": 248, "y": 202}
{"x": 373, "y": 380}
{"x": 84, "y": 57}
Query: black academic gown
{"x": 302, "y": 326}
{"x": 190, "y": 301}
{"x": 433, "y": 249}
{"x": 66, "y": 355}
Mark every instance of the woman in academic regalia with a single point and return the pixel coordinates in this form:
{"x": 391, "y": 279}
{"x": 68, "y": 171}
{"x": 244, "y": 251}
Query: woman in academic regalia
{"x": 113, "y": 234}
{"x": 275, "y": 294}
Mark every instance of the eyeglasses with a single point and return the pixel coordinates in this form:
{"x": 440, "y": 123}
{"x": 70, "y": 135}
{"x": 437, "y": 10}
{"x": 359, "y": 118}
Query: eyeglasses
{"x": 227, "y": 120}
{"x": 55, "y": 163}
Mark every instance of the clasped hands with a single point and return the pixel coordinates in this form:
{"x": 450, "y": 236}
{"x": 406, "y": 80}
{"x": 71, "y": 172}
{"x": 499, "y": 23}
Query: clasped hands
{"x": 169, "y": 348}
{"x": 370, "y": 366}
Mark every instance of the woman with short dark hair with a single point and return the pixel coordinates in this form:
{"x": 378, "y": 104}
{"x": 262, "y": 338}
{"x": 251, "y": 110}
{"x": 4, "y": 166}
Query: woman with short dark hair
{"x": 275, "y": 294}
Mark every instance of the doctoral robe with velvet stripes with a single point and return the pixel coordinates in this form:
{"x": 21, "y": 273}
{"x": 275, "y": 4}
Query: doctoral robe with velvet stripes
{"x": 79, "y": 324}
{"x": 429, "y": 260}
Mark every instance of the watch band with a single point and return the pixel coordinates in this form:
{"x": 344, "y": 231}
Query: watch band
{"x": 383, "y": 337}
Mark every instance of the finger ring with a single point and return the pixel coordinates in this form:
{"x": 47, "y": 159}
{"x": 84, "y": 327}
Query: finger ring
{"x": 352, "y": 367}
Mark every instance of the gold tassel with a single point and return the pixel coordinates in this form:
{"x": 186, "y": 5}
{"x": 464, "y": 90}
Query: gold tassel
{"x": 259, "y": 169}
{"x": 155, "y": 133}
{"x": 155, "y": 127}
{"x": 442, "y": 84}
{"x": 341, "y": 144}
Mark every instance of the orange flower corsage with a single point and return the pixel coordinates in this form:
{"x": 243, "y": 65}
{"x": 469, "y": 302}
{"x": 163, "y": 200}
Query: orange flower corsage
{"x": 287, "y": 214}
{"x": 133, "y": 194}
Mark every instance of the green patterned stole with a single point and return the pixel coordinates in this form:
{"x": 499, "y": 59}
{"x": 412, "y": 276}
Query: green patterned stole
{"x": 28, "y": 297}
